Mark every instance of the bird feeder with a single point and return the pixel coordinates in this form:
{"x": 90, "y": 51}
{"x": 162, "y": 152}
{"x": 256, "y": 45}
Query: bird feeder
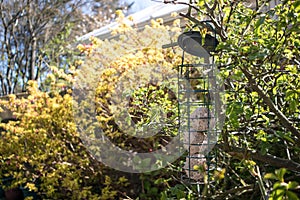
{"x": 197, "y": 106}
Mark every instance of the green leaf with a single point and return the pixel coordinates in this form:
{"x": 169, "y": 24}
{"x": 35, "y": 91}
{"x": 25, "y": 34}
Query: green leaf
{"x": 280, "y": 174}
{"x": 279, "y": 193}
{"x": 288, "y": 138}
{"x": 296, "y": 5}
{"x": 292, "y": 195}
{"x": 270, "y": 176}
{"x": 258, "y": 24}
{"x": 292, "y": 184}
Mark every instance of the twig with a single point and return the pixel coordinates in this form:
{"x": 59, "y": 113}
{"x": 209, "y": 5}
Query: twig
{"x": 236, "y": 191}
{"x": 183, "y": 3}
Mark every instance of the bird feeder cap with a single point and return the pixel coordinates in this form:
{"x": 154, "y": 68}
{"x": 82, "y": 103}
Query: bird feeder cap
{"x": 191, "y": 42}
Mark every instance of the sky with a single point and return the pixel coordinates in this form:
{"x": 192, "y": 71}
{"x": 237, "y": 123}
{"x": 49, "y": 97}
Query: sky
{"x": 138, "y": 4}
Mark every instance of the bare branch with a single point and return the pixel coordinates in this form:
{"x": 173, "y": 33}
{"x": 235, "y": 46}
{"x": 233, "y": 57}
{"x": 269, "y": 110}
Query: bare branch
{"x": 183, "y": 3}
{"x": 237, "y": 191}
{"x": 268, "y": 158}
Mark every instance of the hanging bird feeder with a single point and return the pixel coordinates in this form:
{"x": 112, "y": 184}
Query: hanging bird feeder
{"x": 197, "y": 104}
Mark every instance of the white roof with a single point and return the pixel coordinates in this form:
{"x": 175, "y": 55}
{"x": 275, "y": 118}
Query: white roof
{"x": 141, "y": 18}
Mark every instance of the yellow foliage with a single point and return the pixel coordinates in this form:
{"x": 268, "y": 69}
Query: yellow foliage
{"x": 31, "y": 186}
{"x": 44, "y": 147}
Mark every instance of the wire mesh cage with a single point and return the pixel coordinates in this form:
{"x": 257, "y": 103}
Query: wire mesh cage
{"x": 197, "y": 120}
{"x": 197, "y": 106}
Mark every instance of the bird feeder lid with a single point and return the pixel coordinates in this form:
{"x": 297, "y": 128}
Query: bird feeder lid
{"x": 191, "y": 42}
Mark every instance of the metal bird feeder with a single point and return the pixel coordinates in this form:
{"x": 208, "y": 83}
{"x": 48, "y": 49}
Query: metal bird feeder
{"x": 197, "y": 107}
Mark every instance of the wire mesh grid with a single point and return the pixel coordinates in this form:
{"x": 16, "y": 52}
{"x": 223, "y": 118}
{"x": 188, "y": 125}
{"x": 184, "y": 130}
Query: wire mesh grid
{"x": 197, "y": 111}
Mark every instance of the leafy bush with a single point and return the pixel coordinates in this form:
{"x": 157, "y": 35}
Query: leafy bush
{"x": 42, "y": 150}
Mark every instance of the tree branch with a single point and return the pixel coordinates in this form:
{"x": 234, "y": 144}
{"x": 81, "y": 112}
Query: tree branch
{"x": 183, "y": 3}
{"x": 269, "y": 159}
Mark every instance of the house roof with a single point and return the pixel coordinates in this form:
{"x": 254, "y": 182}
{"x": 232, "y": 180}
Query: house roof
{"x": 141, "y": 19}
